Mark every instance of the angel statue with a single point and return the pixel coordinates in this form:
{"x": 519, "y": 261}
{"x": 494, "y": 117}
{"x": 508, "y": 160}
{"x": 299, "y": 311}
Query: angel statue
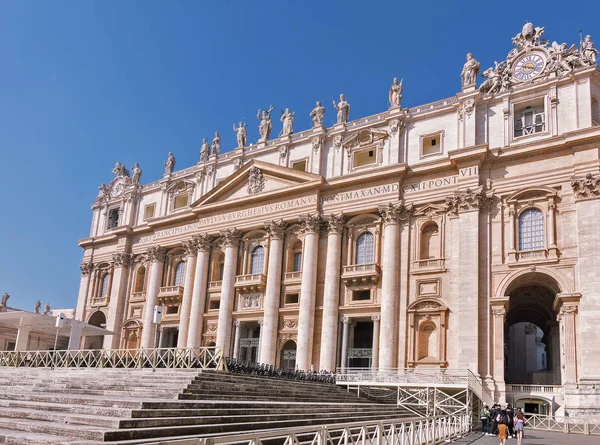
{"x": 287, "y": 117}
{"x": 494, "y": 82}
{"x": 170, "y": 164}
{"x": 266, "y": 126}
{"x": 120, "y": 170}
{"x": 470, "y": 71}
{"x": 395, "y": 95}
{"x": 216, "y": 144}
{"x": 204, "y": 151}
{"x": 588, "y": 52}
{"x": 241, "y": 134}
{"x": 343, "y": 109}
{"x": 317, "y": 114}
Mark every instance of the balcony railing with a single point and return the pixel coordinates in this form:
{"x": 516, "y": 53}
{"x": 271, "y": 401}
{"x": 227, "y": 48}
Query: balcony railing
{"x": 250, "y": 283}
{"x": 356, "y": 274}
{"x": 170, "y": 294}
{"x": 531, "y": 255}
{"x": 535, "y": 389}
{"x": 100, "y": 301}
{"x": 214, "y": 286}
{"x": 292, "y": 277}
{"x": 137, "y": 297}
{"x": 430, "y": 264}
{"x": 359, "y": 353}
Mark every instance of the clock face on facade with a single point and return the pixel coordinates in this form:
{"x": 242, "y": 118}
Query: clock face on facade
{"x": 528, "y": 67}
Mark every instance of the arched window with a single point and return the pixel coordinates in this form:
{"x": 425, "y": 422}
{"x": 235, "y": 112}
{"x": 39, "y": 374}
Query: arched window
{"x": 257, "y": 260}
{"x": 531, "y": 230}
{"x": 430, "y": 244}
{"x": 180, "y": 274}
{"x": 140, "y": 277}
{"x": 104, "y": 286}
{"x": 364, "y": 248}
{"x": 297, "y": 257}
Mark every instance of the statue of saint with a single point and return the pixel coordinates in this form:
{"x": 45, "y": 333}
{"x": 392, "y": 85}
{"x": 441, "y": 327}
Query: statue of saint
{"x": 36, "y": 308}
{"x": 470, "y": 71}
{"x": 588, "y": 52}
{"x": 103, "y": 192}
{"x": 216, "y": 144}
{"x": 343, "y": 109}
{"x": 170, "y": 164}
{"x": 47, "y": 309}
{"x": 266, "y": 126}
{"x": 204, "y": 151}
{"x": 4, "y": 301}
{"x": 395, "y": 95}
{"x": 287, "y": 117}
{"x": 317, "y": 114}
{"x": 241, "y": 134}
{"x": 137, "y": 173}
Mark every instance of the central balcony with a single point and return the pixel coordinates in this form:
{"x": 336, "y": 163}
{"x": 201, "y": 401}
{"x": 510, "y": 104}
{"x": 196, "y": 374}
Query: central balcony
{"x": 292, "y": 277}
{"x": 251, "y": 283}
{"x": 170, "y": 294}
{"x": 429, "y": 265}
{"x": 357, "y": 274}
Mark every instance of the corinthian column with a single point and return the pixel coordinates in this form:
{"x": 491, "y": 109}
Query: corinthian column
{"x": 308, "y": 288}
{"x": 156, "y": 257}
{"x": 116, "y": 305}
{"x": 329, "y": 327}
{"x": 268, "y": 332}
{"x": 230, "y": 242}
{"x": 186, "y": 304}
{"x": 202, "y": 243}
{"x": 86, "y": 269}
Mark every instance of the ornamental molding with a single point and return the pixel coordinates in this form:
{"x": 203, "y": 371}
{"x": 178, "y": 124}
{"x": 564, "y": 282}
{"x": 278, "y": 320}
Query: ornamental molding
{"x": 209, "y": 339}
{"x": 395, "y": 213}
{"x": 283, "y": 151}
{"x": 180, "y": 187}
{"x": 499, "y": 311}
{"x": 86, "y": 267}
{"x": 256, "y": 181}
{"x": 364, "y": 138}
{"x": 237, "y": 164}
{"x": 469, "y": 200}
{"x": 317, "y": 143}
{"x": 230, "y": 237}
{"x": 337, "y": 141}
{"x": 309, "y": 224}
{"x": 203, "y": 241}
{"x": 465, "y": 108}
{"x": 211, "y": 327}
{"x": 122, "y": 259}
{"x": 190, "y": 247}
{"x": 276, "y": 228}
{"x": 586, "y": 188}
{"x": 289, "y": 323}
{"x": 156, "y": 254}
{"x": 334, "y": 223}
{"x": 395, "y": 126}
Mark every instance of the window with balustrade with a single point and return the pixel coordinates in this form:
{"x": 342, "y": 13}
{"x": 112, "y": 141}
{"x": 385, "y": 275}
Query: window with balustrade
{"x": 365, "y": 247}
{"x": 257, "y": 260}
{"x": 531, "y": 229}
{"x": 179, "y": 274}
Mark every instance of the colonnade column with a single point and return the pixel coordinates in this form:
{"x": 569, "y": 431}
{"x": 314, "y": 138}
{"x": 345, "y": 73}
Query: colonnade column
{"x": 116, "y": 304}
{"x": 156, "y": 257}
{"x": 569, "y": 305}
{"x": 84, "y": 285}
{"x": 306, "y": 317}
{"x": 375, "y": 348}
{"x": 331, "y": 297}
{"x": 499, "y": 309}
{"x": 22, "y": 342}
{"x": 388, "y": 336}
{"x": 346, "y": 326}
{"x": 203, "y": 243}
{"x": 260, "y": 335}
{"x": 268, "y": 332}
{"x": 236, "y": 339}
{"x": 191, "y": 250}
{"x": 230, "y": 243}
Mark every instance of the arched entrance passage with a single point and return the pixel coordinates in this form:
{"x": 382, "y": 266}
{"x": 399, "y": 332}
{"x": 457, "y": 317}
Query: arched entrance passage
{"x": 96, "y": 319}
{"x": 287, "y": 359}
{"x": 532, "y": 342}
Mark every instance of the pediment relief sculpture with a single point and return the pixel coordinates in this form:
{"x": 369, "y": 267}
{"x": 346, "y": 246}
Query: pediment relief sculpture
{"x": 364, "y": 138}
{"x": 180, "y": 187}
{"x": 256, "y": 181}
{"x": 586, "y": 188}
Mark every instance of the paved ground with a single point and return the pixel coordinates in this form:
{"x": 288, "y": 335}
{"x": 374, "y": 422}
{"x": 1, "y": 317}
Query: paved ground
{"x": 533, "y": 438}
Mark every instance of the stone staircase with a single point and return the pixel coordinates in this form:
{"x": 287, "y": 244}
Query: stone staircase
{"x": 123, "y": 406}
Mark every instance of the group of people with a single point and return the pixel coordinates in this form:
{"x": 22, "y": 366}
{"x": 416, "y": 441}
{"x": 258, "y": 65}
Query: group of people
{"x": 506, "y": 423}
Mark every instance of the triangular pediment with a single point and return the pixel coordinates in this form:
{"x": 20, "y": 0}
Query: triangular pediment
{"x": 257, "y": 180}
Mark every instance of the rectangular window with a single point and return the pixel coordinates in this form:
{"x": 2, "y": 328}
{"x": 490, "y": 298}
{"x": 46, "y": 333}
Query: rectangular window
{"x": 10, "y": 346}
{"x": 180, "y": 202}
{"x": 221, "y": 269}
{"x": 149, "y": 211}
{"x": 113, "y": 218}
{"x": 530, "y": 118}
{"x": 291, "y": 298}
{"x": 297, "y": 262}
{"x": 431, "y": 145}
{"x": 364, "y": 157}
{"x": 361, "y": 295}
{"x": 299, "y": 165}
{"x": 214, "y": 304}
{"x": 172, "y": 310}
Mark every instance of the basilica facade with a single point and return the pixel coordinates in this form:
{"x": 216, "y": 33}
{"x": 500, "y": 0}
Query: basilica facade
{"x": 418, "y": 237}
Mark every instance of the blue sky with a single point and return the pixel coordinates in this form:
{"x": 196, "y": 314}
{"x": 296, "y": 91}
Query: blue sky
{"x": 84, "y": 84}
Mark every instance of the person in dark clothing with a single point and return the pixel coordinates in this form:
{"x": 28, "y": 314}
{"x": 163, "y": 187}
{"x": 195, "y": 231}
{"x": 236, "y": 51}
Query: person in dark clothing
{"x": 511, "y": 421}
{"x": 494, "y": 415}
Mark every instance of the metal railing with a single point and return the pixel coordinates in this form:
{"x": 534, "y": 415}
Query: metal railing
{"x": 180, "y": 358}
{"x": 564, "y": 424}
{"x": 410, "y": 431}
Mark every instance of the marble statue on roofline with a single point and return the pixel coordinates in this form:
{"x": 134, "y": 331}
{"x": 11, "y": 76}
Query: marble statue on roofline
{"x": 470, "y": 71}
{"x": 241, "y": 134}
{"x": 4, "y": 301}
{"x": 120, "y": 170}
{"x": 317, "y": 114}
{"x": 216, "y": 144}
{"x": 36, "y": 308}
{"x": 395, "y": 95}
{"x": 204, "y": 151}
{"x": 137, "y": 173}
{"x": 588, "y": 52}
{"x": 287, "y": 117}
{"x": 343, "y": 110}
{"x": 170, "y": 164}
{"x": 47, "y": 309}
{"x": 266, "y": 126}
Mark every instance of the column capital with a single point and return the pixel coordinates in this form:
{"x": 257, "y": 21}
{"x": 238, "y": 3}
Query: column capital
{"x": 156, "y": 254}
{"x": 203, "y": 241}
{"x": 86, "y": 267}
{"x": 237, "y": 323}
{"x": 375, "y": 318}
{"x": 230, "y": 237}
{"x": 260, "y": 321}
{"x": 499, "y": 306}
{"x": 122, "y": 259}
{"x": 346, "y": 320}
{"x": 469, "y": 200}
{"x": 396, "y": 212}
{"x": 190, "y": 247}
{"x": 310, "y": 223}
{"x": 276, "y": 228}
{"x": 334, "y": 223}
{"x": 586, "y": 188}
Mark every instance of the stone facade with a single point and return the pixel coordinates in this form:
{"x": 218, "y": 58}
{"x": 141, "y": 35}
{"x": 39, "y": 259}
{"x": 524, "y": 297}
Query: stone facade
{"x": 411, "y": 238}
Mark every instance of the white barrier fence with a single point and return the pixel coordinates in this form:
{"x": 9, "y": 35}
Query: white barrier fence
{"x": 411, "y": 431}
{"x": 564, "y": 424}
{"x": 181, "y": 358}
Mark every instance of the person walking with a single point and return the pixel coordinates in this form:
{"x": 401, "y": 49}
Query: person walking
{"x": 494, "y": 415}
{"x": 485, "y": 415}
{"x": 520, "y": 422}
{"x": 502, "y": 420}
{"x": 511, "y": 418}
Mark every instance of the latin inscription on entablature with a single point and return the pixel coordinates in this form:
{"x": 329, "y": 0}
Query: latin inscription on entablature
{"x": 439, "y": 182}
{"x": 356, "y": 195}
